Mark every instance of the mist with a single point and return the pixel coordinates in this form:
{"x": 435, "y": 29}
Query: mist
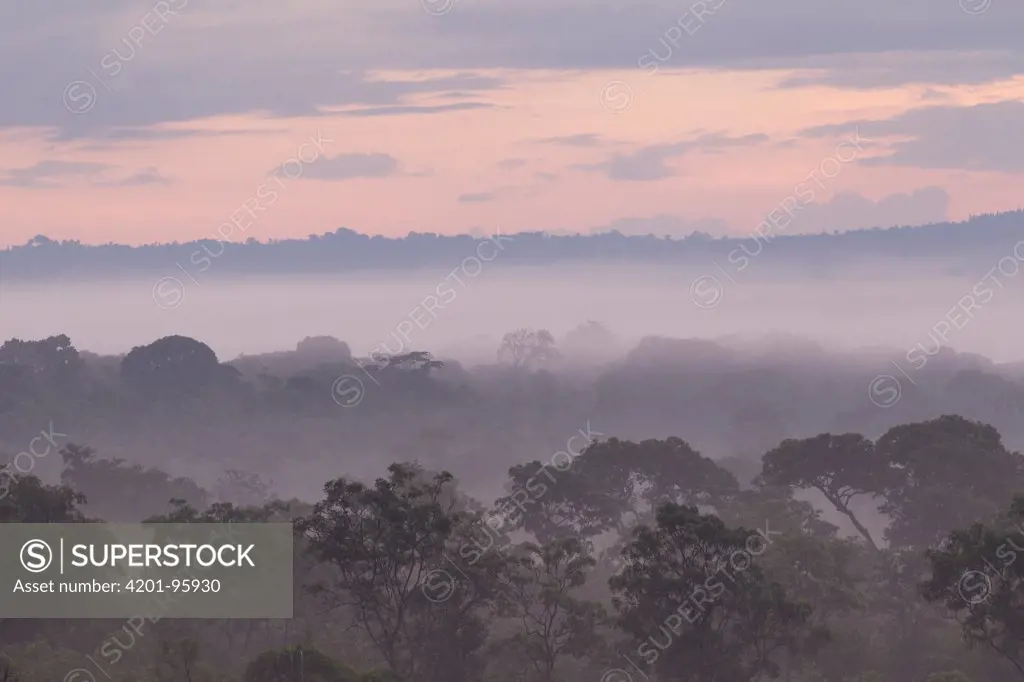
{"x": 845, "y": 310}
{"x": 455, "y": 341}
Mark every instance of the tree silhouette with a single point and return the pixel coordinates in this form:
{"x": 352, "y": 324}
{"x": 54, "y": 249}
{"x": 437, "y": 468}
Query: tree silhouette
{"x": 692, "y": 594}
{"x": 173, "y": 361}
{"x": 839, "y": 467}
{"x": 936, "y": 462}
{"x": 552, "y": 622}
{"x": 388, "y": 544}
{"x": 978, "y": 574}
{"x": 528, "y": 348}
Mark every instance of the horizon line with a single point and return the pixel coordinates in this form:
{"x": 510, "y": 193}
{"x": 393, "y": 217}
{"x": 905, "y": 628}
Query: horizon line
{"x": 41, "y": 239}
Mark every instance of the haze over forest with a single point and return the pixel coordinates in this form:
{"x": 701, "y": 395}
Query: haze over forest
{"x": 512, "y": 342}
{"x": 883, "y": 287}
{"x": 159, "y": 396}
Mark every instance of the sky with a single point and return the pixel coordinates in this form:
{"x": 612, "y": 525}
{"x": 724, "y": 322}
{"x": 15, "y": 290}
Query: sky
{"x": 157, "y": 121}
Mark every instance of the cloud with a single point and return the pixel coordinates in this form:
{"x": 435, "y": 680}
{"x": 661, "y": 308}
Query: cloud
{"x": 221, "y": 57}
{"x": 110, "y": 139}
{"x": 984, "y": 137}
{"x": 578, "y": 140}
{"x": 593, "y": 34}
{"x": 644, "y": 165}
{"x": 147, "y": 176}
{"x": 649, "y": 163}
{"x": 150, "y": 134}
{"x": 151, "y": 92}
{"x": 408, "y": 109}
{"x": 349, "y": 166}
{"x": 479, "y": 198}
{"x": 896, "y": 69}
{"x": 53, "y": 174}
{"x": 581, "y": 34}
{"x": 455, "y": 94}
{"x": 852, "y": 211}
{"x": 50, "y": 173}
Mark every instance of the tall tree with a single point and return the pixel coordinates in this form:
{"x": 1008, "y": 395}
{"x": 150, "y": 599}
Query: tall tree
{"x": 610, "y": 485}
{"x": 552, "y": 622}
{"x": 171, "y": 362}
{"x": 978, "y": 574}
{"x": 840, "y": 467}
{"x": 700, "y": 607}
{"x": 391, "y": 547}
{"x": 52, "y": 358}
{"x": 29, "y": 500}
{"x": 528, "y": 347}
{"x": 945, "y": 473}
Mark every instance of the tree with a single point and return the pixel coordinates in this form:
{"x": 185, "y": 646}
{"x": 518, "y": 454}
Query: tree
{"x": 988, "y": 600}
{"x": 609, "y": 485}
{"x": 839, "y": 467}
{"x": 934, "y": 462}
{"x": 552, "y": 622}
{"x": 389, "y": 546}
{"x": 668, "y": 470}
{"x": 788, "y": 515}
{"x": 222, "y": 512}
{"x": 171, "y": 362}
{"x": 710, "y": 627}
{"x": 52, "y": 358}
{"x": 30, "y": 501}
{"x": 324, "y": 349}
{"x": 124, "y": 492}
{"x": 550, "y": 504}
{"x": 808, "y": 559}
{"x": 16, "y": 382}
{"x": 528, "y": 348}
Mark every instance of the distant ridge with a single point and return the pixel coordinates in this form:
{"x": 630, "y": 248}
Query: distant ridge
{"x": 969, "y": 243}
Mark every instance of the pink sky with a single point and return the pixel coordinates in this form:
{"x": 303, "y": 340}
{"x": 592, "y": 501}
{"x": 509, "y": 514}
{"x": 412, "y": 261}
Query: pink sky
{"x": 710, "y": 149}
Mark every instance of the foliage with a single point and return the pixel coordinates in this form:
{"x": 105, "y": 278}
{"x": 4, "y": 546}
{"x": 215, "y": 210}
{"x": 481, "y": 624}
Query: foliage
{"x": 121, "y": 491}
{"x": 528, "y": 348}
{"x": 839, "y": 467}
{"x": 410, "y": 578}
{"x": 937, "y": 461}
{"x": 388, "y": 544}
{"x": 977, "y": 576}
{"x": 176, "y": 362}
{"x": 551, "y": 622}
{"x": 693, "y": 581}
